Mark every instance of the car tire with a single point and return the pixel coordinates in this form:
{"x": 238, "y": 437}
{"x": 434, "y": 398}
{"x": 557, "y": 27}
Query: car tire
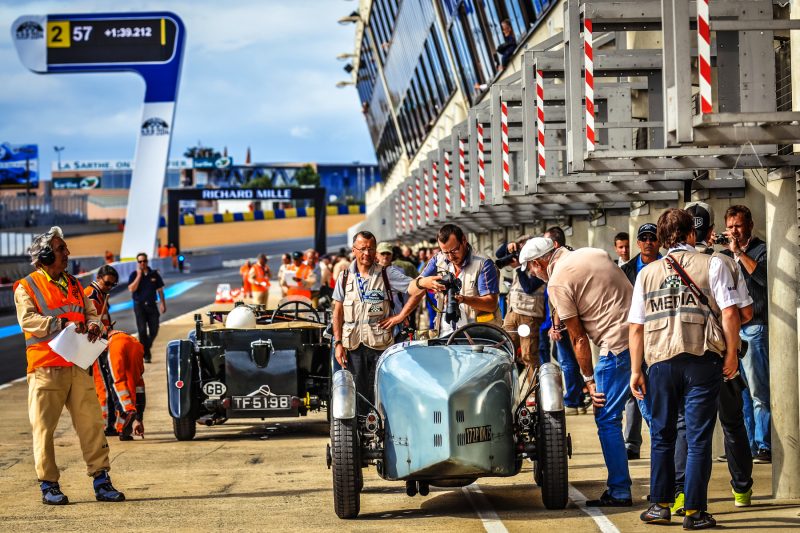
{"x": 551, "y": 461}
{"x": 346, "y": 468}
{"x": 184, "y": 428}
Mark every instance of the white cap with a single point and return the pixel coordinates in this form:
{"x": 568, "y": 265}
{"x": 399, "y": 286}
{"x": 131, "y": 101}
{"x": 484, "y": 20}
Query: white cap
{"x": 534, "y": 249}
{"x": 241, "y": 317}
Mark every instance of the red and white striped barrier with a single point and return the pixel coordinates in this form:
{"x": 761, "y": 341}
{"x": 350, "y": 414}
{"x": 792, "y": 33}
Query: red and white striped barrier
{"x": 462, "y": 174}
{"x": 435, "y": 190}
{"x": 481, "y": 166}
{"x": 447, "y": 207}
{"x": 504, "y": 143}
{"x": 403, "y": 211}
{"x": 410, "y": 208}
{"x": 419, "y": 202}
{"x": 540, "y": 124}
{"x": 588, "y": 66}
{"x": 224, "y": 295}
{"x": 397, "y": 227}
{"x": 704, "y": 56}
{"x": 426, "y": 191}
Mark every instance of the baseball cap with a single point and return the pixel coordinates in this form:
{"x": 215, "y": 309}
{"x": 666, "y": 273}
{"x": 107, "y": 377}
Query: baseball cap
{"x": 534, "y": 249}
{"x": 385, "y": 248}
{"x": 646, "y": 228}
{"x": 297, "y": 255}
{"x": 703, "y": 215}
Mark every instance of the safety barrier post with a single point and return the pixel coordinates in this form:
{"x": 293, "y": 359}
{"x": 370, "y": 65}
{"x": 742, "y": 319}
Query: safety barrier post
{"x": 588, "y": 65}
{"x": 540, "y": 124}
{"x": 504, "y": 145}
{"x": 447, "y": 207}
{"x": 481, "y": 167}
{"x": 704, "y": 56}
{"x": 462, "y": 174}
{"x": 435, "y": 179}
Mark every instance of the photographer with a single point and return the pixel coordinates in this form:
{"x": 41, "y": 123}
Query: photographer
{"x": 751, "y": 254}
{"x": 471, "y": 279}
{"x": 526, "y": 302}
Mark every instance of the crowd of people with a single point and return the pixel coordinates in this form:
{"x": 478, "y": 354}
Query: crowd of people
{"x": 675, "y": 339}
{"x": 673, "y": 336}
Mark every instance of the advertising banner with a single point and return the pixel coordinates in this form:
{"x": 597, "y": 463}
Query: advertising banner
{"x": 16, "y": 161}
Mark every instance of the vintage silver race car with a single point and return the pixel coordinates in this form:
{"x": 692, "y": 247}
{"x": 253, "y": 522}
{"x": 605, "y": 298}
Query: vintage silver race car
{"x": 449, "y": 411}
{"x": 249, "y": 363}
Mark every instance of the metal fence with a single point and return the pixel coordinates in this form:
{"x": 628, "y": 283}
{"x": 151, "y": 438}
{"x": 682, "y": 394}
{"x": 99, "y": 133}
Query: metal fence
{"x": 20, "y": 212}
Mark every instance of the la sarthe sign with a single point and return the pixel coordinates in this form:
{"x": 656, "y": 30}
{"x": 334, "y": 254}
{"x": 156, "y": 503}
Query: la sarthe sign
{"x": 246, "y": 194}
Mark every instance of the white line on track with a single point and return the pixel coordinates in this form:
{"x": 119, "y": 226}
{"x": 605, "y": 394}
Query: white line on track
{"x": 481, "y": 505}
{"x": 603, "y": 523}
{"x": 11, "y": 383}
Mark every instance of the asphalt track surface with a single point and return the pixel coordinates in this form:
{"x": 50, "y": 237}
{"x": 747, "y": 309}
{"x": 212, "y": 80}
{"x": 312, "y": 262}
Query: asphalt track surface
{"x": 12, "y": 347}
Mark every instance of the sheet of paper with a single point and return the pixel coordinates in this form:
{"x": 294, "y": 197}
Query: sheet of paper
{"x": 76, "y": 348}
{"x": 288, "y": 277}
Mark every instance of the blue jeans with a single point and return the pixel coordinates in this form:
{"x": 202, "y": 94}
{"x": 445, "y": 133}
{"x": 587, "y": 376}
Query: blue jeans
{"x": 693, "y": 382}
{"x": 573, "y": 392}
{"x": 612, "y": 377}
{"x": 755, "y": 368}
{"x": 544, "y": 347}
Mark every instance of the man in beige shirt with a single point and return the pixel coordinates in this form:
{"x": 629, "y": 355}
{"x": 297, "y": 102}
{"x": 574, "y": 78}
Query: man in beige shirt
{"x": 591, "y": 296}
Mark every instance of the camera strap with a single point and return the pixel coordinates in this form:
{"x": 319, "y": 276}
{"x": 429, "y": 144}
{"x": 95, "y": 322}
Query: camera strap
{"x": 689, "y": 282}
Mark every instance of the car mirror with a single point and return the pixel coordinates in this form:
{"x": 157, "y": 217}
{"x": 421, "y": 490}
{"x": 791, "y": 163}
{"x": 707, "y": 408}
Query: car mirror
{"x": 524, "y": 330}
{"x": 260, "y": 352}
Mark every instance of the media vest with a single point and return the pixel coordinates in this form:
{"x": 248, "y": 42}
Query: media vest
{"x": 469, "y": 287}
{"x": 675, "y": 321}
{"x": 523, "y": 303}
{"x": 362, "y": 315}
{"x": 50, "y": 300}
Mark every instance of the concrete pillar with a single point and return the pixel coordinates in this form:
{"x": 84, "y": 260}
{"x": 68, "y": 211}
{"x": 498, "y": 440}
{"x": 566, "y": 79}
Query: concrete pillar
{"x": 602, "y": 236}
{"x": 580, "y": 233}
{"x": 782, "y": 267}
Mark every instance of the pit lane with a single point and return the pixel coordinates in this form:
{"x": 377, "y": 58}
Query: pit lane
{"x": 249, "y": 475}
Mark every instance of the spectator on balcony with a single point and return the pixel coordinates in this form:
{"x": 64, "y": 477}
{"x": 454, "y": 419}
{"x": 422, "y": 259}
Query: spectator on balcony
{"x": 506, "y": 49}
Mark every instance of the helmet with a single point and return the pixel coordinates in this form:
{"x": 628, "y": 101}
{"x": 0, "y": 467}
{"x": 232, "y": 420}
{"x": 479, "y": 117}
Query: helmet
{"x": 241, "y": 317}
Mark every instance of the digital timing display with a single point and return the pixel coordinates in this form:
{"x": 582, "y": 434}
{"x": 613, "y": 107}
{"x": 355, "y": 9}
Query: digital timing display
{"x": 80, "y": 42}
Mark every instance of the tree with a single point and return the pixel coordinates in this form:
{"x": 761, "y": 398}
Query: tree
{"x": 307, "y": 177}
{"x": 261, "y": 182}
{"x": 200, "y": 151}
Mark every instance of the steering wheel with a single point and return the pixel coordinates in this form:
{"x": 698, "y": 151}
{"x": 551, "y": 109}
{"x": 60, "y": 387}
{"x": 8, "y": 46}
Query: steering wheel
{"x": 481, "y": 330}
{"x": 297, "y": 311}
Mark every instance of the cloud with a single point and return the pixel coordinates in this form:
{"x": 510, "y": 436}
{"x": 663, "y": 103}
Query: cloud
{"x": 300, "y": 132}
{"x": 253, "y": 71}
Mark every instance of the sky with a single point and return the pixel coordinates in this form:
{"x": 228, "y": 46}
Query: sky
{"x": 257, "y": 73}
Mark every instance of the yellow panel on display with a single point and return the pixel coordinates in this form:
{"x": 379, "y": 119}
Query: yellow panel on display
{"x": 248, "y": 215}
{"x": 208, "y": 218}
{"x": 188, "y": 220}
{"x": 58, "y": 34}
{"x": 291, "y": 212}
{"x": 269, "y": 215}
{"x": 227, "y": 217}
{"x": 353, "y": 209}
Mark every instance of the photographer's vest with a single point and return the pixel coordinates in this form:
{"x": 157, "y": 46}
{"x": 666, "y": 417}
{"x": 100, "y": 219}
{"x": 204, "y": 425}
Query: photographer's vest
{"x": 363, "y": 310}
{"x": 523, "y": 303}
{"x": 675, "y": 321}
{"x": 50, "y": 300}
{"x": 469, "y": 287}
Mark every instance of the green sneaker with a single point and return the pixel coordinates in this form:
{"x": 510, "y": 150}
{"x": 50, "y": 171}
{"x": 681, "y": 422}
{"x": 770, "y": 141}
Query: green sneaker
{"x": 677, "y": 508}
{"x": 742, "y": 499}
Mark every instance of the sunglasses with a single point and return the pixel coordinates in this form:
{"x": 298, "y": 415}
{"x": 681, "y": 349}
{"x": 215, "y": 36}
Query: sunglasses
{"x": 110, "y": 285}
{"x": 141, "y": 260}
{"x": 648, "y": 238}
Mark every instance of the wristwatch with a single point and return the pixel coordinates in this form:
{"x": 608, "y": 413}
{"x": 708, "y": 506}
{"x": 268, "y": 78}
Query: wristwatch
{"x": 416, "y": 282}
{"x": 587, "y": 379}
{"x": 337, "y": 342}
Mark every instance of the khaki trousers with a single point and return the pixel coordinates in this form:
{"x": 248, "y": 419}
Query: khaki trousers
{"x": 529, "y": 346}
{"x": 49, "y": 390}
{"x": 260, "y": 297}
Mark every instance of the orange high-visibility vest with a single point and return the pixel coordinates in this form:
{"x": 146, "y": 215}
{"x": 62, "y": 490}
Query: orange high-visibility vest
{"x": 50, "y": 300}
{"x": 244, "y": 271}
{"x": 97, "y": 297}
{"x": 302, "y": 273}
{"x": 260, "y": 278}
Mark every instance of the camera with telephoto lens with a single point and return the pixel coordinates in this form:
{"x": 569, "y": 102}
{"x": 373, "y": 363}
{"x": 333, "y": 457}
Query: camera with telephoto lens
{"x": 721, "y": 239}
{"x": 452, "y": 313}
{"x": 506, "y": 260}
